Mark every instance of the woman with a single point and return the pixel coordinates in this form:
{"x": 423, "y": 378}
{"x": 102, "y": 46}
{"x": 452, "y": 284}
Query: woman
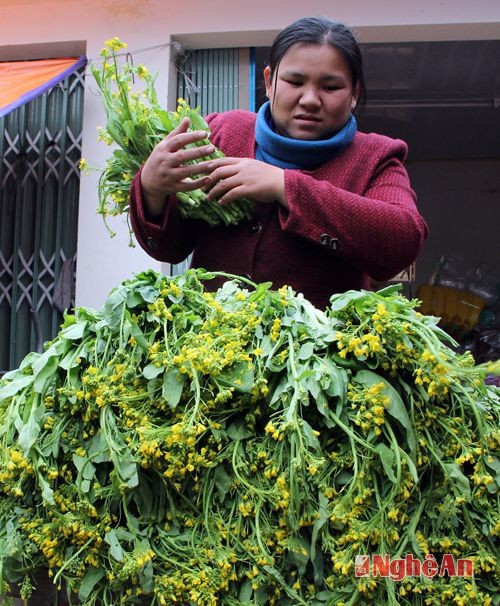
{"x": 333, "y": 206}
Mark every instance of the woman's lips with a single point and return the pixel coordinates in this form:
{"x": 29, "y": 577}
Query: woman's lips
{"x": 307, "y": 118}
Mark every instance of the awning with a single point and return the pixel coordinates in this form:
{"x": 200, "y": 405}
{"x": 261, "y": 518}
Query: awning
{"x": 22, "y": 81}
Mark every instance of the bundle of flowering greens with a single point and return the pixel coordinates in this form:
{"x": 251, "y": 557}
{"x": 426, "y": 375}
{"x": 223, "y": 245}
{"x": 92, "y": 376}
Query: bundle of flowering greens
{"x": 181, "y": 446}
{"x": 136, "y": 123}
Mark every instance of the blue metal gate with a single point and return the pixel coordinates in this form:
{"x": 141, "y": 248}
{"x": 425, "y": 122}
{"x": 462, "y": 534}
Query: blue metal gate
{"x": 40, "y": 149}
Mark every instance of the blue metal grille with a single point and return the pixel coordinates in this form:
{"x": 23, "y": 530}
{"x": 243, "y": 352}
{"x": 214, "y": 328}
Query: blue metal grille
{"x": 40, "y": 149}
{"x": 209, "y": 79}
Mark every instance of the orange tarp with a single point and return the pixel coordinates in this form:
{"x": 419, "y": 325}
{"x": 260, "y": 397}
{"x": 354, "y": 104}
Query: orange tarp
{"x": 21, "y": 81}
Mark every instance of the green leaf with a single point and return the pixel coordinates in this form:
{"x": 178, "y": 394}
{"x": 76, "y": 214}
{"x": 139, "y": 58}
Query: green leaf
{"x": 342, "y": 300}
{"x": 113, "y": 308}
{"x": 115, "y": 549}
{"x": 115, "y": 130}
{"x": 494, "y": 464}
{"x": 45, "y": 366}
{"x": 458, "y": 481}
{"x": 146, "y": 577}
{"x": 246, "y": 592}
{"x": 73, "y": 332}
{"x": 396, "y": 406}
{"x": 260, "y": 291}
{"x": 411, "y": 466}
{"x": 86, "y": 472}
{"x": 151, "y": 371}
{"x": 282, "y": 387}
{"x": 46, "y": 490}
{"x": 130, "y": 329}
{"x": 46, "y": 374}
{"x": 240, "y": 376}
{"x": 124, "y": 535}
{"x": 69, "y": 361}
{"x": 165, "y": 120}
{"x": 332, "y": 378}
{"x": 15, "y": 386}
{"x": 197, "y": 120}
{"x": 29, "y": 428}
{"x": 387, "y": 457}
{"x": 306, "y": 351}
{"x": 321, "y": 519}
{"x": 121, "y": 156}
{"x": 311, "y": 437}
{"x": 145, "y": 498}
{"x": 173, "y": 385}
{"x": 127, "y": 470}
{"x": 238, "y": 431}
{"x": 89, "y": 581}
{"x": 144, "y": 294}
{"x": 322, "y": 596}
{"x": 390, "y": 291}
{"x": 299, "y": 551}
{"x": 313, "y": 385}
{"x": 98, "y": 451}
{"x": 133, "y": 130}
{"x": 222, "y": 482}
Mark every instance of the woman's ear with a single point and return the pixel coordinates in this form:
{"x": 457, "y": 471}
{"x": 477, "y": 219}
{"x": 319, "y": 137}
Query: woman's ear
{"x": 267, "y": 81}
{"x": 355, "y": 97}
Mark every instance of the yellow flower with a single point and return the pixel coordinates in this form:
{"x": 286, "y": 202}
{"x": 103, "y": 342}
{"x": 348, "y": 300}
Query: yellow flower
{"x": 381, "y": 309}
{"x": 393, "y": 514}
{"x": 142, "y": 71}
{"x": 115, "y": 44}
{"x": 275, "y": 329}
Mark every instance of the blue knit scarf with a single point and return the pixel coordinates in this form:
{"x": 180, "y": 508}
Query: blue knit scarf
{"x": 297, "y": 153}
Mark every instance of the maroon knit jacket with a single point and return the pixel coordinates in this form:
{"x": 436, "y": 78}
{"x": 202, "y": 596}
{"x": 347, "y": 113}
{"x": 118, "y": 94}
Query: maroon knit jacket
{"x": 351, "y": 218}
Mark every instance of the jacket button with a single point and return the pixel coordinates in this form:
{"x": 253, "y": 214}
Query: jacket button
{"x": 255, "y": 228}
{"x": 329, "y": 242}
{"x": 151, "y": 243}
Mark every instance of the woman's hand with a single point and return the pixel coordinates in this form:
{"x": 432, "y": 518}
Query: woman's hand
{"x": 233, "y": 178}
{"x": 165, "y": 172}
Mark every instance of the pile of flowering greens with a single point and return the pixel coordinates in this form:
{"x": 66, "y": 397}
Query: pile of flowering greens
{"x": 135, "y": 124}
{"x": 181, "y": 446}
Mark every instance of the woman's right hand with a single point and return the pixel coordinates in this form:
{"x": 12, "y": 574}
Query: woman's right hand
{"x": 165, "y": 172}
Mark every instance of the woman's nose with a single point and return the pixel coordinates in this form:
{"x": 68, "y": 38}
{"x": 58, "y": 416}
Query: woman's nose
{"x": 310, "y": 97}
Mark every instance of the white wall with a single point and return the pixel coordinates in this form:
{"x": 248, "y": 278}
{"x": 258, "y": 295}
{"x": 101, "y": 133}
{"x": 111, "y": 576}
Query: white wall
{"x": 104, "y": 262}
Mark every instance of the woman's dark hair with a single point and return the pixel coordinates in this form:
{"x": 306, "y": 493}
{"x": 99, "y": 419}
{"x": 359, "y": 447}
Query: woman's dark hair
{"x": 321, "y": 30}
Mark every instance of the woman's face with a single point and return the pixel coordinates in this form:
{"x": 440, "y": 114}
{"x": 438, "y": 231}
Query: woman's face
{"x": 312, "y": 94}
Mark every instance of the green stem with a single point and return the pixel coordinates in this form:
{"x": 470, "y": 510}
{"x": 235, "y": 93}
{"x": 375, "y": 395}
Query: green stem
{"x": 350, "y": 433}
{"x": 68, "y": 561}
{"x": 410, "y": 530}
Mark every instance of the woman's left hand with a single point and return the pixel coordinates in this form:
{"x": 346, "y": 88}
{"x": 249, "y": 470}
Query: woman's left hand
{"x": 233, "y": 178}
